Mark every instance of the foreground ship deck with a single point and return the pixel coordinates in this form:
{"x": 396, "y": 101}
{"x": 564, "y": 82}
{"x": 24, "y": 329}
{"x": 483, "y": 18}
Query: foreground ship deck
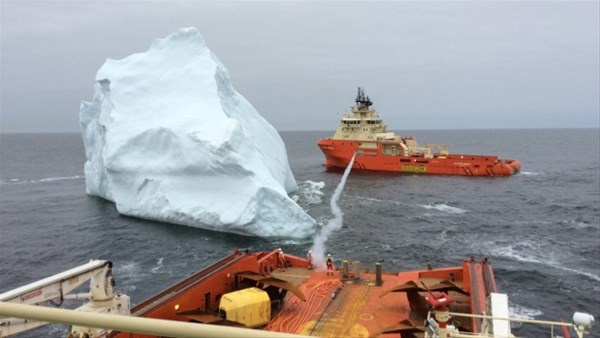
{"x": 278, "y": 295}
{"x": 362, "y": 134}
{"x": 350, "y": 301}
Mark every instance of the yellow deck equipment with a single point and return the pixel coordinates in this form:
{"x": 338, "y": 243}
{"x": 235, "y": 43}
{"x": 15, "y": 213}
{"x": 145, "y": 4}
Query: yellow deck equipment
{"x": 251, "y": 307}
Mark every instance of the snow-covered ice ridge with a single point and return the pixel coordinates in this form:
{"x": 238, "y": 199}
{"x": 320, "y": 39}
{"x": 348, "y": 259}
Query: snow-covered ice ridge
{"x": 168, "y": 138}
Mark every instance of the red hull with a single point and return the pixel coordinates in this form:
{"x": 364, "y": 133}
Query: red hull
{"x": 338, "y": 154}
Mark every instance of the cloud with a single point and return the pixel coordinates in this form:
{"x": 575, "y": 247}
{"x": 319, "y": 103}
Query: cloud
{"x": 426, "y": 65}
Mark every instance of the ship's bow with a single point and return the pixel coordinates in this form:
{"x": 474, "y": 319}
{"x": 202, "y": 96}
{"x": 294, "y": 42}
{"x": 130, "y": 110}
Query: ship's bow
{"x": 333, "y": 157}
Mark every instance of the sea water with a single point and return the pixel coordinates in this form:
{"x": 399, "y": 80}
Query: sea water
{"x": 540, "y": 228}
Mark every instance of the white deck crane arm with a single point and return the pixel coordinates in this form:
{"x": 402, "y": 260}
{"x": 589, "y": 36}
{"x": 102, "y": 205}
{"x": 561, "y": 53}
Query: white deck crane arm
{"x": 57, "y": 288}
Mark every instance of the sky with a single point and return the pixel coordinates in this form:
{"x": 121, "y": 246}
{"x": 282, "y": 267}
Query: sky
{"x": 425, "y": 64}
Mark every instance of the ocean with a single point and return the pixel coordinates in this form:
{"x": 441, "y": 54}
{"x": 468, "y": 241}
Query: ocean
{"x": 539, "y": 228}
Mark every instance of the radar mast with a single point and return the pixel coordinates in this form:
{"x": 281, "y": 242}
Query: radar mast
{"x": 362, "y": 101}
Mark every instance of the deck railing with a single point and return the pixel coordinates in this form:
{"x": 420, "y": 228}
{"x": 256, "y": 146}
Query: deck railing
{"x": 580, "y": 330}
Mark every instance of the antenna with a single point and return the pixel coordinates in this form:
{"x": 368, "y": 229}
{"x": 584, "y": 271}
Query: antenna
{"x": 362, "y": 100}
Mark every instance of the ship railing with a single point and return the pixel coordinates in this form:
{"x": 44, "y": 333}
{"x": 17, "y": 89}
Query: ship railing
{"x": 438, "y": 149}
{"x": 421, "y": 151}
{"x": 131, "y": 324}
{"x": 582, "y": 323}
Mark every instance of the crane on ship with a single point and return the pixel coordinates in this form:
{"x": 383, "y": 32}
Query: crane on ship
{"x": 56, "y": 289}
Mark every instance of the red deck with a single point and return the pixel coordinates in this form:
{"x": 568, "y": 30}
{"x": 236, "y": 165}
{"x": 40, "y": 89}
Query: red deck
{"x": 360, "y": 307}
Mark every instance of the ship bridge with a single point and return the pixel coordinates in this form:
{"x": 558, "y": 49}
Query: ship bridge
{"x": 363, "y": 124}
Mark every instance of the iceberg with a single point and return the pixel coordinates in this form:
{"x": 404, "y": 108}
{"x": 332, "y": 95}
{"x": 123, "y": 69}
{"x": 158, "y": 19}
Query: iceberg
{"x": 167, "y": 138}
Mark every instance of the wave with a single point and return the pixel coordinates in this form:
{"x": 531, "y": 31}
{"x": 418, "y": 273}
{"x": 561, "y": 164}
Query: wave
{"x": 577, "y": 224}
{"x": 292, "y": 241}
{"x": 372, "y": 199}
{"x": 128, "y": 269}
{"x": 443, "y": 207}
{"x": 510, "y": 252}
{"x": 129, "y": 274}
{"x": 386, "y": 247}
{"x": 41, "y": 180}
{"x": 579, "y": 272}
{"x": 530, "y": 173}
{"x": 309, "y": 192}
{"x": 159, "y": 265}
{"x": 518, "y": 311}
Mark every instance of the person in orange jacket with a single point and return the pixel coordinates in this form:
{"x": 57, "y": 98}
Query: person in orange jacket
{"x": 281, "y": 259}
{"x": 329, "y": 262}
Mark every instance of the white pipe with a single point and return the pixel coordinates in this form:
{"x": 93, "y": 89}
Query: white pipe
{"x": 157, "y": 327}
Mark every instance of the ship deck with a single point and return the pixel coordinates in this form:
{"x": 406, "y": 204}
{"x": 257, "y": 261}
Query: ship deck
{"x": 322, "y": 304}
{"x": 337, "y": 307}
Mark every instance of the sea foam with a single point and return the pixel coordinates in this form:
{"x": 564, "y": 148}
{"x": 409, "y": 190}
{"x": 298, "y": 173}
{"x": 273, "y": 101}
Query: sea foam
{"x": 443, "y": 207}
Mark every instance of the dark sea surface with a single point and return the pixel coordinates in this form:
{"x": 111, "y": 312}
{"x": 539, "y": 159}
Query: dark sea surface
{"x": 540, "y": 228}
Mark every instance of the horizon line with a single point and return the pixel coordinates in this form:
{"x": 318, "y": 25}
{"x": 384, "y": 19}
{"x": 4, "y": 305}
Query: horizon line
{"x": 333, "y": 130}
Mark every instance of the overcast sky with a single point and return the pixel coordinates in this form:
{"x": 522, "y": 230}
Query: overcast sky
{"x": 426, "y": 65}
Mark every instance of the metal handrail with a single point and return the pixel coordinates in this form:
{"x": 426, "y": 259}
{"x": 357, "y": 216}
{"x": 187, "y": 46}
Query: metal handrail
{"x": 520, "y": 320}
{"x": 122, "y": 323}
{"x": 579, "y": 330}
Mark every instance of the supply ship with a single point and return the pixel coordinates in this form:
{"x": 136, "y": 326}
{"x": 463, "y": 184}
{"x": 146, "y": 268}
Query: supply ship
{"x": 363, "y": 133}
{"x": 272, "y": 294}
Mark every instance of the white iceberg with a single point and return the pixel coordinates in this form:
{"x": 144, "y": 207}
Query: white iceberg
{"x": 168, "y": 138}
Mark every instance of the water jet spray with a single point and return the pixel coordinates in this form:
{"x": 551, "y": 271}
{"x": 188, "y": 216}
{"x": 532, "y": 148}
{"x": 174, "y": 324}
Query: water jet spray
{"x": 318, "y": 247}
